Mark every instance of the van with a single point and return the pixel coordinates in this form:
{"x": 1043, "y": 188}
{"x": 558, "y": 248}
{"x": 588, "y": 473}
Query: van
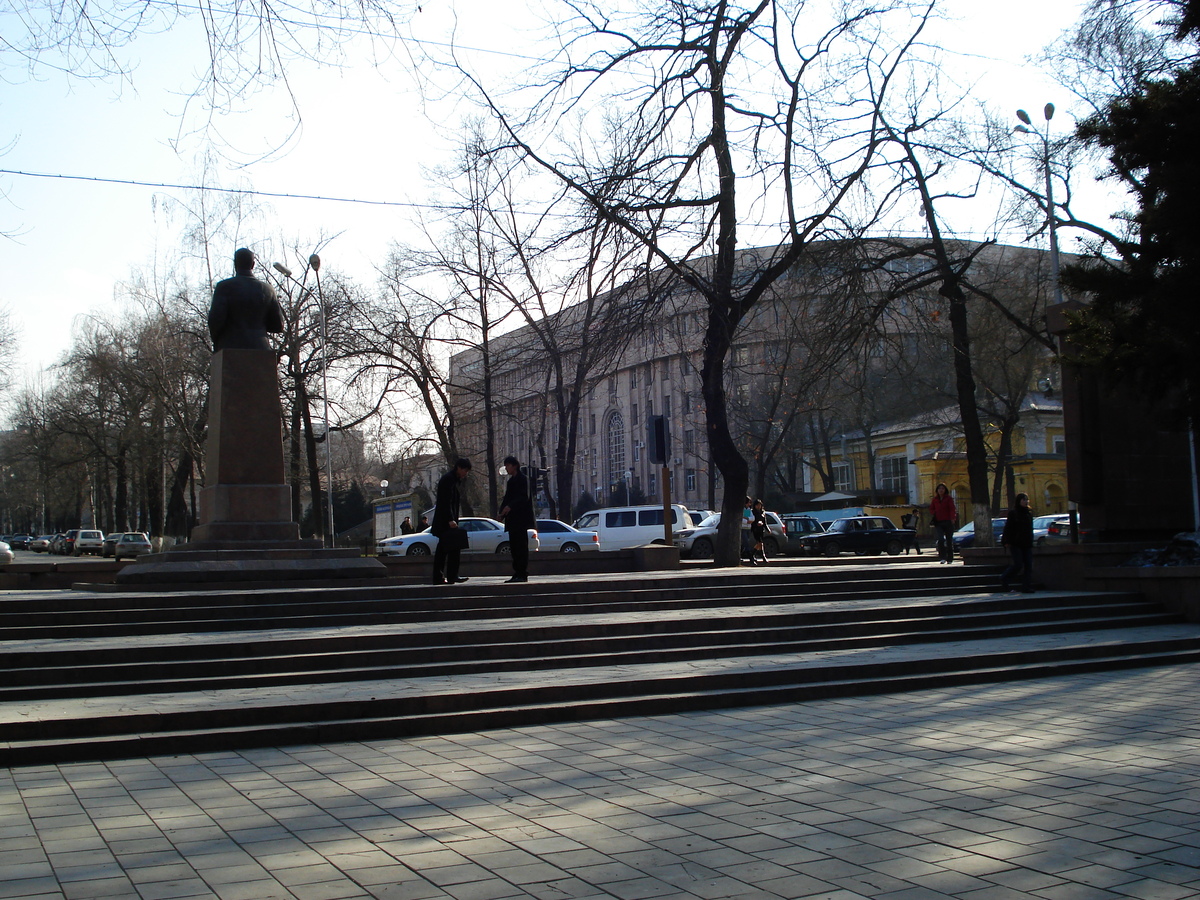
{"x": 631, "y": 526}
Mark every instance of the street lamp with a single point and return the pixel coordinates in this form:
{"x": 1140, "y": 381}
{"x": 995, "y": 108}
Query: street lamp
{"x": 314, "y": 262}
{"x": 1051, "y": 219}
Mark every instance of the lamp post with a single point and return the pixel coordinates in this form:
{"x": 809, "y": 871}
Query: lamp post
{"x": 314, "y": 261}
{"x": 1044, "y": 135}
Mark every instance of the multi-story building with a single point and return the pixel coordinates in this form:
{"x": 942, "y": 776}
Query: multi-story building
{"x": 824, "y": 340}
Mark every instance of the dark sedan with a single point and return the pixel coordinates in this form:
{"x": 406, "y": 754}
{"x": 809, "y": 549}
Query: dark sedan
{"x": 860, "y": 535}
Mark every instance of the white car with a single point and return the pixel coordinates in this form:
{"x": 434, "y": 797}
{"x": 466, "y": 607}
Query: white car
{"x": 132, "y": 544}
{"x": 485, "y": 535}
{"x": 88, "y": 542}
{"x": 556, "y": 535}
{"x": 700, "y": 543}
{"x": 6, "y": 554}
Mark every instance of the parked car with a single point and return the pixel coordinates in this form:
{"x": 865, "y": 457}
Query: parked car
{"x": 67, "y": 546}
{"x": 485, "y": 535}
{"x": 699, "y": 515}
{"x": 56, "y": 543}
{"x": 6, "y": 554}
{"x": 131, "y": 544}
{"x": 1060, "y": 532}
{"x": 860, "y": 535}
{"x": 633, "y": 526}
{"x": 1041, "y": 526}
{"x": 556, "y": 535}
{"x": 19, "y": 541}
{"x": 110, "y": 544}
{"x": 88, "y": 541}
{"x": 41, "y": 544}
{"x": 700, "y": 543}
{"x": 965, "y": 536}
{"x": 797, "y": 527}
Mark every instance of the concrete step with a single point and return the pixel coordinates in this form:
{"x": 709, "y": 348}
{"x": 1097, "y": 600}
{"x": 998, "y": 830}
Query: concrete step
{"x": 170, "y": 673}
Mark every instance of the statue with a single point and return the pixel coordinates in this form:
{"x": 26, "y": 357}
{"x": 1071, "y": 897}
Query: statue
{"x": 243, "y": 309}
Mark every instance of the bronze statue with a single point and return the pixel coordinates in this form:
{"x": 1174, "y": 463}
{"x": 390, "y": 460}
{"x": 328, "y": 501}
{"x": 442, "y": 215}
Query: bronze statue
{"x": 243, "y": 309}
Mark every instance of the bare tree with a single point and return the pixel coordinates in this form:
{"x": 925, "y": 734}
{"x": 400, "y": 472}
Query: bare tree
{"x": 734, "y": 114}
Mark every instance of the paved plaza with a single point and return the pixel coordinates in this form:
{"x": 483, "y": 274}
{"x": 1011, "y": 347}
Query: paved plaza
{"x": 1077, "y": 788}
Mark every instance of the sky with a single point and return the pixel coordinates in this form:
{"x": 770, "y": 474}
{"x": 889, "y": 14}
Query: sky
{"x": 368, "y": 133}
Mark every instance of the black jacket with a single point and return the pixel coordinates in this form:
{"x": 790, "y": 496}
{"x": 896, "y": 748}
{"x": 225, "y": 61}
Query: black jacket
{"x": 520, "y": 507}
{"x": 1018, "y": 528}
{"x": 447, "y": 504}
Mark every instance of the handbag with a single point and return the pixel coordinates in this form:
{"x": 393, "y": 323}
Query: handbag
{"x": 457, "y": 539}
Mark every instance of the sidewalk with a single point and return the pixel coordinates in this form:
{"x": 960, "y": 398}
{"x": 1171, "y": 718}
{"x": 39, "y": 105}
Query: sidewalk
{"x": 1076, "y": 788}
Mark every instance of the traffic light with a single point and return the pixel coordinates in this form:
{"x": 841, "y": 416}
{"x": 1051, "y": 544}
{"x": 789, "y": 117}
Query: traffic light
{"x": 659, "y": 440}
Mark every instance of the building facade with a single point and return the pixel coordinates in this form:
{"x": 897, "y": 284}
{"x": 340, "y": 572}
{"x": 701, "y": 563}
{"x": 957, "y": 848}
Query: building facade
{"x": 813, "y": 348}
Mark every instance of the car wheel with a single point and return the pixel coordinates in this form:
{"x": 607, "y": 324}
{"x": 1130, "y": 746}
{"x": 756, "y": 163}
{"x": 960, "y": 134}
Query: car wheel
{"x": 832, "y": 549}
{"x": 770, "y": 547}
{"x": 503, "y": 548}
{"x": 702, "y": 549}
{"x": 418, "y": 550}
{"x": 894, "y": 548}
{"x": 569, "y": 548}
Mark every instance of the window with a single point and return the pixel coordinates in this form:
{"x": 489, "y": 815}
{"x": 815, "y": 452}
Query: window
{"x": 633, "y": 414}
{"x": 615, "y": 435}
{"x": 689, "y": 478}
{"x": 1060, "y": 446}
{"x": 667, "y": 406}
{"x": 687, "y": 403}
{"x": 893, "y": 474}
{"x": 650, "y": 373}
{"x": 633, "y": 378}
{"x": 637, "y": 451}
{"x": 623, "y": 518}
{"x": 653, "y": 484}
{"x": 650, "y": 517}
{"x": 689, "y": 441}
{"x": 592, "y": 424}
{"x": 843, "y": 477}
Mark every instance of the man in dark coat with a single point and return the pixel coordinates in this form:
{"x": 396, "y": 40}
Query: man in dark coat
{"x": 451, "y": 539}
{"x": 243, "y": 309}
{"x": 516, "y": 511}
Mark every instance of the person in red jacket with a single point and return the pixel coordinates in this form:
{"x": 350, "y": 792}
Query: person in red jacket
{"x": 945, "y": 516}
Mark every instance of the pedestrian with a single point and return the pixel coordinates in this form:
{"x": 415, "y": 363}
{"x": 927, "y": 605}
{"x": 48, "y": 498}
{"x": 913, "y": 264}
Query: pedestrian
{"x": 424, "y": 523}
{"x": 406, "y": 526}
{"x": 945, "y": 516}
{"x": 516, "y": 512}
{"x": 1018, "y": 537}
{"x": 452, "y": 539}
{"x": 912, "y": 520}
{"x": 747, "y": 519}
{"x": 758, "y": 530}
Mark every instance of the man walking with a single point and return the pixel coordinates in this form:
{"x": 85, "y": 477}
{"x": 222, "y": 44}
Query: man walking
{"x": 452, "y": 539}
{"x": 516, "y": 511}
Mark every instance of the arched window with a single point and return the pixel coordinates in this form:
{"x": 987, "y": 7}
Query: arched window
{"x": 615, "y": 436}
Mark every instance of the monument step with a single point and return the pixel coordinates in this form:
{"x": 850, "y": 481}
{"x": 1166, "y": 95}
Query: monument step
{"x": 139, "y": 614}
{"x": 195, "y": 722}
{"x": 87, "y": 676}
{"x": 93, "y": 670}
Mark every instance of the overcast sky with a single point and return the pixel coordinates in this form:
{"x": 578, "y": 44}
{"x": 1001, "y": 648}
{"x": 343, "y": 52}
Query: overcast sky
{"x": 366, "y": 135}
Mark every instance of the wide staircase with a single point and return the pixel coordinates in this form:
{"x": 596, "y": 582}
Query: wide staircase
{"x": 107, "y": 675}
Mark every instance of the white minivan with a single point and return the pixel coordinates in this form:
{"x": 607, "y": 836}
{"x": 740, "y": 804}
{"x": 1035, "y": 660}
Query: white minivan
{"x": 632, "y": 526}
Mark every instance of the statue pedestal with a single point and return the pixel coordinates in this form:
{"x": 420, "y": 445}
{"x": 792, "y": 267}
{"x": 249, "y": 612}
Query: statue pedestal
{"x": 246, "y": 533}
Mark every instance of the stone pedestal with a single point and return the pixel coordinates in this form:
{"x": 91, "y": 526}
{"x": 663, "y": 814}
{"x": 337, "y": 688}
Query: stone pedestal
{"x": 246, "y": 533}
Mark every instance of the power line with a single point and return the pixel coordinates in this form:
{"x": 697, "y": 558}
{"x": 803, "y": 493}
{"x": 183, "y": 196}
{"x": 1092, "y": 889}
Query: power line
{"x": 220, "y": 190}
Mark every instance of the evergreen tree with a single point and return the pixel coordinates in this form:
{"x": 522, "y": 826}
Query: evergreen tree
{"x": 1143, "y": 324}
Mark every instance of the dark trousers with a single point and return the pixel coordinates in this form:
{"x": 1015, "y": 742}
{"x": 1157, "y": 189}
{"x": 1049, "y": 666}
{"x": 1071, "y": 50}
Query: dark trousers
{"x": 1022, "y": 564}
{"x": 445, "y": 562}
{"x": 518, "y": 547}
{"x": 945, "y": 541}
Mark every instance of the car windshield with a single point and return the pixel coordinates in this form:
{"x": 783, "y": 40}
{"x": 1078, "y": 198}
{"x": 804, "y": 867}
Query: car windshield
{"x": 1045, "y": 521}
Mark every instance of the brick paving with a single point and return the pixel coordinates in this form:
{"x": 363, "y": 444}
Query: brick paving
{"x": 1075, "y": 788}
